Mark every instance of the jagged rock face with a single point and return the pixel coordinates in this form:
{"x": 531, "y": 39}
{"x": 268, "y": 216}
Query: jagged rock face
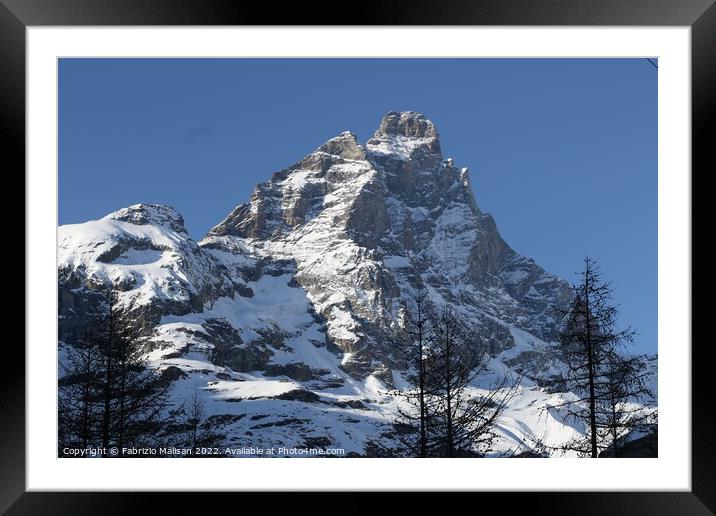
{"x": 364, "y": 223}
{"x": 288, "y": 305}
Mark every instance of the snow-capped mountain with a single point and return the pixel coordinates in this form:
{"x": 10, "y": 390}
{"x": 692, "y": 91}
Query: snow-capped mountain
{"x": 287, "y": 305}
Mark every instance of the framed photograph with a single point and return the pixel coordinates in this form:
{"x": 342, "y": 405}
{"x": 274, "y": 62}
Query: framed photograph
{"x": 424, "y": 248}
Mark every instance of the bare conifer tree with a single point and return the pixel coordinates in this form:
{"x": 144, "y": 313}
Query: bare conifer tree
{"x": 412, "y": 347}
{"x": 139, "y": 395}
{"x": 462, "y": 421}
{"x": 78, "y": 399}
{"x": 620, "y": 412}
{"x": 108, "y": 394}
{"x": 198, "y": 428}
{"x": 597, "y": 372}
{"x": 195, "y": 421}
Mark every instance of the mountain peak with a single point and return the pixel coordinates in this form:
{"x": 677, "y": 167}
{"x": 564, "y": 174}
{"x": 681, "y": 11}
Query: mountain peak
{"x": 156, "y": 214}
{"x": 409, "y": 124}
{"x": 402, "y": 133}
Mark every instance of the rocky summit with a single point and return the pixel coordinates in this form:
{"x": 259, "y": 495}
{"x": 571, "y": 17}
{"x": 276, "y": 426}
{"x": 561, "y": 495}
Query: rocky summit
{"x": 281, "y": 317}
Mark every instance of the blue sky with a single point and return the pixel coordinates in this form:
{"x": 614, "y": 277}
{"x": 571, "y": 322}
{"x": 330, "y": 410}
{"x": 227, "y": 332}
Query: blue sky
{"x": 562, "y": 152}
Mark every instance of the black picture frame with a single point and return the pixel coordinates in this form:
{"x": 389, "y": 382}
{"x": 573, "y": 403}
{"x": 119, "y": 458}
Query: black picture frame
{"x": 17, "y": 15}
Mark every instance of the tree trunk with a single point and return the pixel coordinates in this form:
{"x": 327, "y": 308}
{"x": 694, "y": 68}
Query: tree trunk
{"x": 591, "y": 372}
{"x": 615, "y": 423}
{"x": 108, "y": 378}
{"x": 122, "y": 396}
{"x": 421, "y": 377}
{"x": 449, "y": 436}
{"x": 86, "y": 402}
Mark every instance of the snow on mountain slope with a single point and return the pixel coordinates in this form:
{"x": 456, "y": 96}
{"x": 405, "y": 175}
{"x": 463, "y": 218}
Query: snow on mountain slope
{"x": 279, "y": 318}
{"x": 145, "y": 252}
